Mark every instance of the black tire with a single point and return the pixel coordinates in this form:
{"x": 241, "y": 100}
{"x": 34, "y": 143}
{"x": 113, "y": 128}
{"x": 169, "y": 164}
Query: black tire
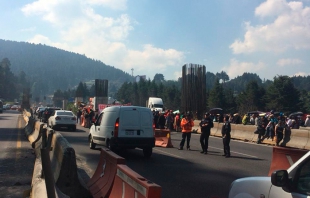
{"x": 92, "y": 145}
{"x": 74, "y": 128}
{"x": 147, "y": 152}
{"x": 108, "y": 145}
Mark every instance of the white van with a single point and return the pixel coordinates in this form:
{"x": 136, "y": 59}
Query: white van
{"x": 128, "y": 127}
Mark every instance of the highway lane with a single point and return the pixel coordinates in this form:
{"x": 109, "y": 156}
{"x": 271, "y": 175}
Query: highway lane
{"x": 16, "y": 157}
{"x": 183, "y": 173}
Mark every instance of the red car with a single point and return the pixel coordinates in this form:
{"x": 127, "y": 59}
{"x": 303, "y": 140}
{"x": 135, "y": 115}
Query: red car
{"x": 15, "y": 107}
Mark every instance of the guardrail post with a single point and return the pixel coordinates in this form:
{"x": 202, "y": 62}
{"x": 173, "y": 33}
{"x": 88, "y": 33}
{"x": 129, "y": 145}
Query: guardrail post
{"x": 48, "y": 174}
{"x": 49, "y": 138}
{"x": 44, "y": 138}
{"x": 46, "y": 163}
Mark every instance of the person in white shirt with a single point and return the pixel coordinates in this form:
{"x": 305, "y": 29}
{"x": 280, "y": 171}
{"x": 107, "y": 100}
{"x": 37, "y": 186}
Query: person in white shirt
{"x": 307, "y": 122}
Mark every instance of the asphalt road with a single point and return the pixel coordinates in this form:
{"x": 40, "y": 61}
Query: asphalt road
{"x": 184, "y": 173}
{"x": 181, "y": 174}
{"x": 16, "y": 157}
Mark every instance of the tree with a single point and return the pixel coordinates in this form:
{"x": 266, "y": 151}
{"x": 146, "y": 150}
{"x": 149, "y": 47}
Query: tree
{"x": 57, "y": 98}
{"x": 216, "y": 97}
{"x": 283, "y": 96}
{"x": 223, "y": 76}
{"x": 80, "y": 90}
{"x": 159, "y": 78}
{"x": 251, "y": 98}
{"x": 7, "y": 81}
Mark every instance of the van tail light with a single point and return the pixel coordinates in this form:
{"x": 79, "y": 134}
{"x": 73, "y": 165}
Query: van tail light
{"x": 116, "y": 126}
{"x": 154, "y": 128}
{"x": 57, "y": 118}
{"x": 74, "y": 118}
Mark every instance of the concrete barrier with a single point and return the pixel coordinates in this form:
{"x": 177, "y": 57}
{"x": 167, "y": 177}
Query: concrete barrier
{"x": 295, "y": 138}
{"x": 29, "y": 127}
{"x": 63, "y": 162}
{"x": 36, "y": 134}
{"x": 38, "y": 186}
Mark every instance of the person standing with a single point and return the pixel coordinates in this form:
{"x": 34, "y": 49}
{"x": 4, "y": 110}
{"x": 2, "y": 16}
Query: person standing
{"x": 78, "y": 116}
{"x": 205, "y": 124}
{"x": 280, "y": 126}
{"x": 186, "y": 123}
{"x": 307, "y": 122}
{"x": 226, "y": 129}
{"x": 91, "y": 117}
{"x": 155, "y": 119}
{"x": 161, "y": 121}
{"x": 259, "y": 128}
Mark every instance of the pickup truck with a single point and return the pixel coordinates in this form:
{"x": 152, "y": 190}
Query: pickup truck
{"x": 291, "y": 183}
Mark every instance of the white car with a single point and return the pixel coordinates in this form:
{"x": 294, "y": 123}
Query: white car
{"x": 291, "y": 183}
{"x": 62, "y": 118}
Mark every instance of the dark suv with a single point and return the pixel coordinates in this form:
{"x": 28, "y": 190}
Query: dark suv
{"x": 47, "y": 113}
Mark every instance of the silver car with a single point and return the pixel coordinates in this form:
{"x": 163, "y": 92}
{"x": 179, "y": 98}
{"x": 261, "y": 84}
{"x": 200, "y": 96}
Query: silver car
{"x": 62, "y": 118}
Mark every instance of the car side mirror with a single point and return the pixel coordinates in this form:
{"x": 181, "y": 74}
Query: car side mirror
{"x": 279, "y": 178}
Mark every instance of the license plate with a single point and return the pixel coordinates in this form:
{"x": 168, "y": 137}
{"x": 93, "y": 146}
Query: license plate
{"x": 129, "y": 132}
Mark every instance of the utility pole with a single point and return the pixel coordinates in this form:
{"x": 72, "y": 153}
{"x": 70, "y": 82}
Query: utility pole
{"x": 132, "y": 72}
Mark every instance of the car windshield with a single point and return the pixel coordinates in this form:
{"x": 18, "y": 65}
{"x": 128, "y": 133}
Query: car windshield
{"x": 65, "y": 113}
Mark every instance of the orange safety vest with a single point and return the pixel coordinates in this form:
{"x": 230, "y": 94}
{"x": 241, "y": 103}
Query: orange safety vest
{"x": 187, "y": 127}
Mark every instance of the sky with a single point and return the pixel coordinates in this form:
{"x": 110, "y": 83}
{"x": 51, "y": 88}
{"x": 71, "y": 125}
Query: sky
{"x": 146, "y": 37}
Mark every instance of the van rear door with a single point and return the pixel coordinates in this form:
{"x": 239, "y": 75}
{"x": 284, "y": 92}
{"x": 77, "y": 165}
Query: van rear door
{"x": 135, "y": 122}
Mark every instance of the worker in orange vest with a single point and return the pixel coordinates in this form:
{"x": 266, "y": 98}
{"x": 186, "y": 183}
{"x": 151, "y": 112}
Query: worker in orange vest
{"x": 186, "y": 123}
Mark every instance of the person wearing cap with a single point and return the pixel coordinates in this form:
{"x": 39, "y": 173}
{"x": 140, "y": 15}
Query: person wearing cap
{"x": 307, "y": 121}
{"x": 186, "y": 123}
{"x": 226, "y": 129}
{"x": 205, "y": 124}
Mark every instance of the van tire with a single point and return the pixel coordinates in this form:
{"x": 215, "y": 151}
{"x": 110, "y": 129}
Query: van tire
{"x": 92, "y": 145}
{"x": 111, "y": 148}
{"x": 147, "y": 152}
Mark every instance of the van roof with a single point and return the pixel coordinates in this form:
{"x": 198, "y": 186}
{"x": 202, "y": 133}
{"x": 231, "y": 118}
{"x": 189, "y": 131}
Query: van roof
{"x": 124, "y": 107}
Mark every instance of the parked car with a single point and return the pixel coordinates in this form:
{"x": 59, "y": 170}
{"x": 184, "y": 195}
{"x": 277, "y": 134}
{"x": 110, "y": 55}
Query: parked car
{"x": 62, "y": 118}
{"x": 15, "y": 107}
{"x": 47, "y": 113}
{"x": 8, "y": 106}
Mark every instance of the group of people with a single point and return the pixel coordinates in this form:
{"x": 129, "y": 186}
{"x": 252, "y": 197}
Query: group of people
{"x": 167, "y": 120}
{"x": 274, "y": 127}
{"x": 206, "y": 124}
{"x": 88, "y": 114}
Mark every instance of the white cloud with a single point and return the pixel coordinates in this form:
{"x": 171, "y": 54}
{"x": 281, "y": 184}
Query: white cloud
{"x": 284, "y": 62}
{"x": 301, "y": 74}
{"x": 237, "y": 68}
{"x": 178, "y": 74}
{"x": 84, "y": 31}
{"x": 289, "y": 30}
{"x": 153, "y": 60}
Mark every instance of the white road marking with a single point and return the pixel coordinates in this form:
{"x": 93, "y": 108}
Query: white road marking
{"x": 169, "y": 154}
{"x": 231, "y": 151}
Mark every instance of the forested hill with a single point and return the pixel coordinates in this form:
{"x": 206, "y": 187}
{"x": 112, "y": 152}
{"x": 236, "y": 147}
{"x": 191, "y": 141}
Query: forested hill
{"x": 52, "y": 68}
